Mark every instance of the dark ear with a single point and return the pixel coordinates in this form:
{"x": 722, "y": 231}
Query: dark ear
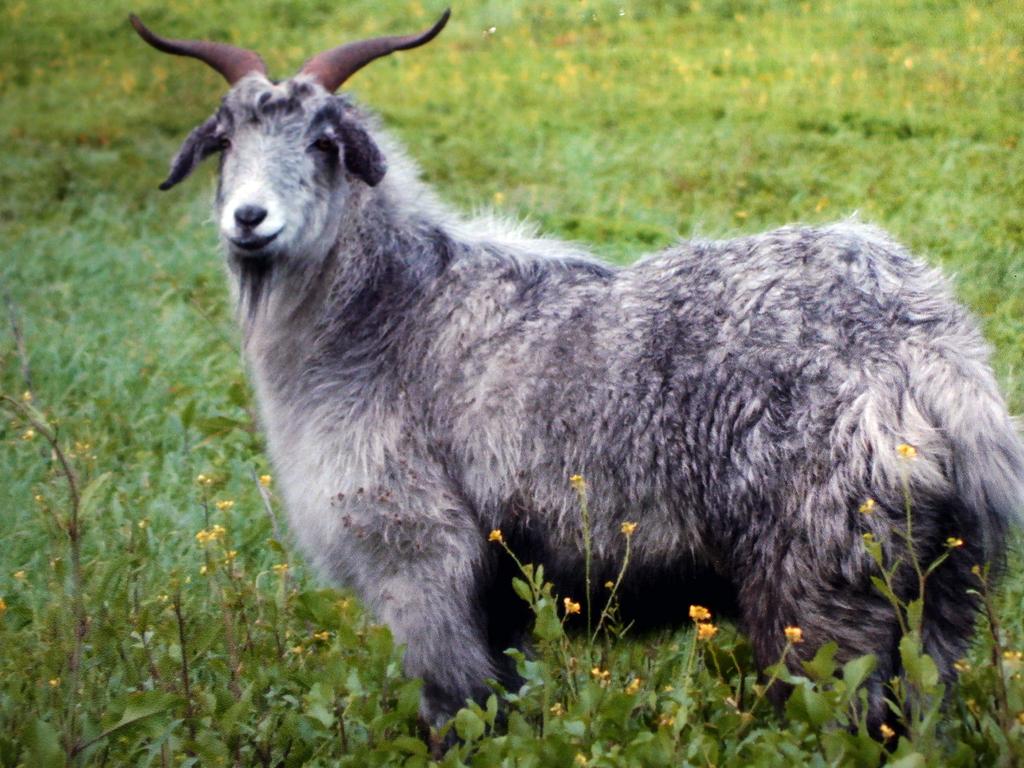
{"x": 201, "y": 143}
{"x": 362, "y": 157}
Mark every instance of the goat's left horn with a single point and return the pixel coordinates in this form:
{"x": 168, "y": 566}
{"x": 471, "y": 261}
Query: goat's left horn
{"x": 232, "y": 62}
{"x": 332, "y": 68}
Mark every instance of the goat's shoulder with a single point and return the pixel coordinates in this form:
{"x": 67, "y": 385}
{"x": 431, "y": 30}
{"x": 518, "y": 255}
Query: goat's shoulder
{"x": 523, "y": 265}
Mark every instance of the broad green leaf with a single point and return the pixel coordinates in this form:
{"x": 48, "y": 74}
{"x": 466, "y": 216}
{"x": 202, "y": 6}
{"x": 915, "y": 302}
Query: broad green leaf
{"x": 920, "y": 668}
{"x": 320, "y": 704}
{"x": 139, "y": 707}
{"x": 522, "y": 589}
{"x": 823, "y": 666}
{"x": 468, "y": 725}
{"x": 548, "y": 626}
{"x": 856, "y": 671}
{"x": 43, "y": 746}
{"x": 882, "y": 587}
{"x": 913, "y": 760}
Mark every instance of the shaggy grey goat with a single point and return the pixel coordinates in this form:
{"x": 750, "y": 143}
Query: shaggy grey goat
{"x": 424, "y": 379}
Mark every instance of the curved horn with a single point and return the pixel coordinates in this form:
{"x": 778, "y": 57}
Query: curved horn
{"x": 332, "y": 68}
{"x": 232, "y": 62}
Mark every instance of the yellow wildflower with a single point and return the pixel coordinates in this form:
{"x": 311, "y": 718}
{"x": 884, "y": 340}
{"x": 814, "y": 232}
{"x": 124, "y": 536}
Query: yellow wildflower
{"x": 976, "y": 570}
{"x": 570, "y": 606}
{"x": 628, "y": 528}
{"x": 706, "y": 630}
{"x": 578, "y": 483}
{"x": 266, "y": 480}
{"x": 1013, "y": 655}
{"x": 213, "y": 534}
{"x": 39, "y": 498}
{"x": 323, "y": 636}
{"x": 54, "y": 682}
{"x": 557, "y": 709}
{"x": 886, "y": 731}
{"x": 281, "y": 569}
{"x": 495, "y": 535}
{"x": 868, "y": 506}
{"x": 230, "y": 555}
{"x": 296, "y": 649}
{"x": 961, "y": 665}
{"x": 634, "y": 686}
{"x": 203, "y": 570}
{"x": 26, "y": 396}
{"x": 601, "y": 675}
{"x": 699, "y": 613}
{"x": 580, "y": 759}
{"x": 794, "y": 635}
{"x": 224, "y": 505}
{"x": 906, "y": 451}
{"x": 609, "y": 584}
{"x": 202, "y": 479}
{"x": 3, "y": 606}
{"x": 28, "y": 434}
{"x": 143, "y": 524}
{"x": 19, "y": 575}
{"x": 954, "y": 543}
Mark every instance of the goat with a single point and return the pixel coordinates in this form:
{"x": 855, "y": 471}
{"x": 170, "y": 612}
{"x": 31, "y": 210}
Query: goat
{"x": 424, "y": 379}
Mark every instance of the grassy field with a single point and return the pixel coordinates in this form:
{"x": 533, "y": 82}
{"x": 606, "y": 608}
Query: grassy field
{"x": 126, "y": 639}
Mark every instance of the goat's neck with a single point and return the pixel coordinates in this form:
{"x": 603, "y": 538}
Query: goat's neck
{"x": 312, "y": 310}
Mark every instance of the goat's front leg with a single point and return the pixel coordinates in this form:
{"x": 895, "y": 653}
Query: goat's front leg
{"x": 423, "y": 582}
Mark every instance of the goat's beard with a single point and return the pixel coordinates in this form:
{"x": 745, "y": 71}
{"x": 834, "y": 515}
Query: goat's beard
{"x": 254, "y": 279}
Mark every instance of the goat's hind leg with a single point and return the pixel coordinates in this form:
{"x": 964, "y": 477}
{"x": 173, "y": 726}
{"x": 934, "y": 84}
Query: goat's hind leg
{"x": 951, "y": 606}
{"x": 858, "y": 618}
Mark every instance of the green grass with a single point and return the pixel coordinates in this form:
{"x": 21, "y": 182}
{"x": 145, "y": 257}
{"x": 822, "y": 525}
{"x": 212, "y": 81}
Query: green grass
{"x": 624, "y": 131}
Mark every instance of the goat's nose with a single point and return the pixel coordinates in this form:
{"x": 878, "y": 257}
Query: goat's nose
{"x": 250, "y": 215}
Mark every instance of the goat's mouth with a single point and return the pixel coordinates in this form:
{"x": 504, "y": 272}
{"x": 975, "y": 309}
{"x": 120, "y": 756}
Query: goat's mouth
{"x": 252, "y": 244}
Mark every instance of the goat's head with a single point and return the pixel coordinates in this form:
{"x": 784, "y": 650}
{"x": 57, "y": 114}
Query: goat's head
{"x": 291, "y": 151}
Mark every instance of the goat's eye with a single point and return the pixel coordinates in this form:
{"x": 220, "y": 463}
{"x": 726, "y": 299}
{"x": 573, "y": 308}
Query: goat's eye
{"x": 223, "y": 142}
{"x": 323, "y": 144}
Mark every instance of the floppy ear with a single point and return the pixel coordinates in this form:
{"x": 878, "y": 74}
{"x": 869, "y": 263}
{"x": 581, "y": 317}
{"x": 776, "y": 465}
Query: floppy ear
{"x": 200, "y": 144}
{"x": 362, "y": 157}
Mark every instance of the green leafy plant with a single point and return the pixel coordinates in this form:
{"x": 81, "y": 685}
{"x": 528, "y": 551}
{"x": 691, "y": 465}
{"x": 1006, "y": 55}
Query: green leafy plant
{"x": 622, "y": 130}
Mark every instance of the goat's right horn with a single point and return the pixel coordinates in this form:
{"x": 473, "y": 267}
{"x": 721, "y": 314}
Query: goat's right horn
{"x": 232, "y": 62}
{"x": 332, "y": 68}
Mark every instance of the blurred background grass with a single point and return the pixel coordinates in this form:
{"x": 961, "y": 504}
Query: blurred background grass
{"x": 622, "y": 124}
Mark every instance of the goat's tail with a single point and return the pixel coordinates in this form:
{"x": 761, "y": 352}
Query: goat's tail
{"x": 978, "y": 449}
{"x": 988, "y": 471}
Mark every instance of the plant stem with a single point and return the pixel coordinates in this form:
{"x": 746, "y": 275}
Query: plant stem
{"x": 585, "y": 513}
{"x": 185, "y": 681}
{"x": 72, "y": 527}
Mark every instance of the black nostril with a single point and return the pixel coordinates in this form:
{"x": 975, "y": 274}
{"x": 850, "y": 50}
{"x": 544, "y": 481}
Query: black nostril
{"x": 250, "y": 215}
